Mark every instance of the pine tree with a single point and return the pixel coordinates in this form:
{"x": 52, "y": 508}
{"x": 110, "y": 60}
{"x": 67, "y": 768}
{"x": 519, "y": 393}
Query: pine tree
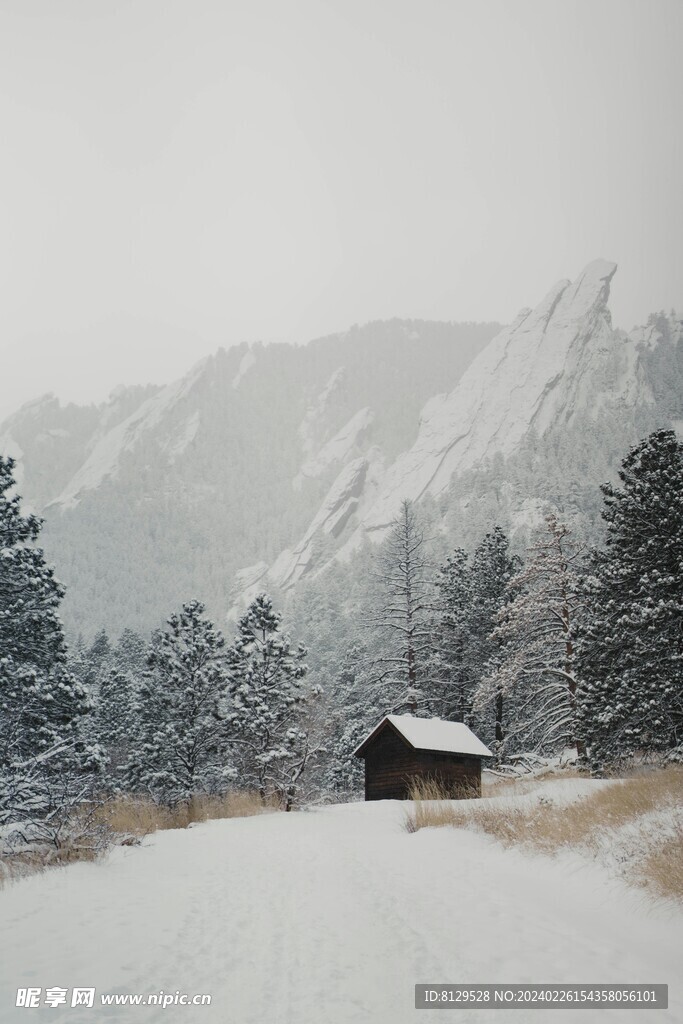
{"x": 100, "y": 653}
{"x": 130, "y": 653}
{"x": 630, "y": 649}
{"x": 113, "y": 677}
{"x": 453, "y": 673}
{"x": 179, "y": 745}
{"x": 472, "y": 594}
{"x": 267, "y": 718}
{"x": 42, "y": 748}
{"x": 114, "y": 721}
{"x": 77, "y": 659}
{"x": 403, "y": 617}
{"x": 536, "y": 631}
{"x": 353, "y": 716}
{"x": 492, "y": 570}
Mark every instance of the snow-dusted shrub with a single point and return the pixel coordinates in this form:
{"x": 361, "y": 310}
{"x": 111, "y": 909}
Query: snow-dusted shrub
{"x": 74, "y": 832}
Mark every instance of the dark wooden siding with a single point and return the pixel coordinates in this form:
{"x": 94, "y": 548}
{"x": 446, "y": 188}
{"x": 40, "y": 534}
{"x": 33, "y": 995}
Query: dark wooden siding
{"x": 391, "y": 765}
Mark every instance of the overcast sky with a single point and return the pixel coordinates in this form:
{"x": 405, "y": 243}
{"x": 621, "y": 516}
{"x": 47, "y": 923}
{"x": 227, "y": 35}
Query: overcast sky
{"x": 183, "y": 174}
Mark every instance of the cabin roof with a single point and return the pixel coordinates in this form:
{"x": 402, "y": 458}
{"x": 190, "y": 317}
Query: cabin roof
{"x": 430, "y": 734}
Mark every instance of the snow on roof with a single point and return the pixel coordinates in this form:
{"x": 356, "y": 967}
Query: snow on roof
{"x": 434, "y": 734}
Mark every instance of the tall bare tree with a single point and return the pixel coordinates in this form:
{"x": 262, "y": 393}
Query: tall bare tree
{"x": 402, "y": 618}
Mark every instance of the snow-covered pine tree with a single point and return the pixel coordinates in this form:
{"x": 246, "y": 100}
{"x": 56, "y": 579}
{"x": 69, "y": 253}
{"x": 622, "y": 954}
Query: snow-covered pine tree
{"x": 114, "y": 721}
{"x": 630, "y": 646}
{"x": 179, "y": 743}
{"x": 453, "y": 683}
{"x": 77, "y": 658}
{"x": 402, "y": 618}
{"x": 44, "y": 758}
{"x": 535, "y": 632}
{"x": 130, "y": 653}
{"x": 99, "y": 656}
{"x": 492, "y": 568}
{"x": 352, "y": 718}
{"x": 112, "y": 675}
{"x": 267, "y": 719}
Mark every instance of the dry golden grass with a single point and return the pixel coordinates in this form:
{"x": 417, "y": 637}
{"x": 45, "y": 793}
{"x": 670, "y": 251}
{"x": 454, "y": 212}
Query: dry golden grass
{"x": 126, "y": 820}
{"x": 136, "y": 817}
{"x": 434, "y": 803}
{"x": 433, "y": 788}
{"x": 549, "y": 828}
{"x": 130, "y": 816}
{"x": 662, "y": 869}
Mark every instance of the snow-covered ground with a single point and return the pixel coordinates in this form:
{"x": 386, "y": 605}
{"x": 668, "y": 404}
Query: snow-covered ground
{"x": 328, "y": 917}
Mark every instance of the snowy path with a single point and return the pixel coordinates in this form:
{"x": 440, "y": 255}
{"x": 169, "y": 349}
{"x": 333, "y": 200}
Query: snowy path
{"x": 327, "y": 917}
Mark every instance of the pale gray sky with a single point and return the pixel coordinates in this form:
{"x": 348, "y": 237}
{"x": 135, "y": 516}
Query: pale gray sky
{"x": 179, "y": 174}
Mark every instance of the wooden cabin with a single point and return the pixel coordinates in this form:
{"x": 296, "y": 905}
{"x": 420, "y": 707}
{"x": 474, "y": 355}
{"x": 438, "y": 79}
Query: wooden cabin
{"x": 403, "y": 748}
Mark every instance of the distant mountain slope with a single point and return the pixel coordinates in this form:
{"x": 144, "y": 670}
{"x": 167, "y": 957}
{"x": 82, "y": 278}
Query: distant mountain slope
{"x": 266, "y": 464}
{"x": 164, "y": 493}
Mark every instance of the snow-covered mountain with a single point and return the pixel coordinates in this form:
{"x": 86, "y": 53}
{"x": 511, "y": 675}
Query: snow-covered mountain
{"x": 547, "y": 365}
{"x": 264, "y": 464}
{"x": 554, "y": 363}
{"x": 166, "y": 492}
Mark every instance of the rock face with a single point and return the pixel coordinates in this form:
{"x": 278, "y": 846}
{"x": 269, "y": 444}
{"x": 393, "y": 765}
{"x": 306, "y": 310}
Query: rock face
{"x": 337, "y": 448}
{"x": 340, "y": 504}
{"x": 284, "y": 459}
{"x": 104, "y": 459}
{"x": 531, "y": 374}
{"x": 555, "y": 362}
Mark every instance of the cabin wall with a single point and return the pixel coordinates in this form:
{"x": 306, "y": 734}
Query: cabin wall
{"x": 389, "y": 763}
{"x": 391, "y": 766}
